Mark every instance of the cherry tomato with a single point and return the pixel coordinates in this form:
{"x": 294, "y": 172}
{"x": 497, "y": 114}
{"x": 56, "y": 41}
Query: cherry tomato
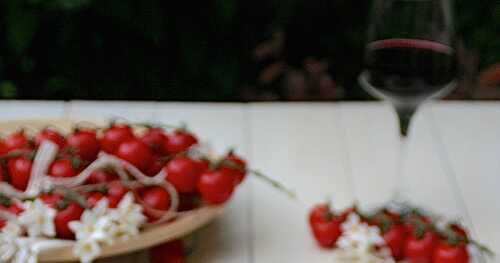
{"x": 19, "y": 169}
{"x": 179, "y": 141}
{"x": 216, "y": 187}
{"x": 325, "y": 226}
{"x": 17, "y": 141}
{"x": 395, "y": 239}
{"x": 446, "y": 253}
{"x": 51, "y": 200}
{"x": 100, "y": 176}
{"x": 183, "y": 173}
{"x": 459, "y": 230}
{"x": 65, "y": 215}
{"x": 155, "y": 166}
{"x": 156, "y": 139}
{"x": 171, "y": 252}
{"x": 319, "y": 213}
{"x": 114, "y": 136}
{"x": 2, "y": 223}
{"x": 420, "y": 250}
{"x": 94, "y": 197}
{"x": 237, "y": 166}
{"x": 85, "y": 144}
{"x": 155, "y": 197}
{"x": 116, "y": 191}
{"x": 62, "y": 168}
{"x": 3, "y": 148}
{"x": 66, "y": 212}
{"x": 12, "y": 208}
{"x": 1, "y": 174}
{"x": 137, "y": 153}
{"x": 50, "y": 135}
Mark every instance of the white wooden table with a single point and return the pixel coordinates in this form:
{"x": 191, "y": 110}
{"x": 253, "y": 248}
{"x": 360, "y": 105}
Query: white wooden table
{"x": 343, "y": 150}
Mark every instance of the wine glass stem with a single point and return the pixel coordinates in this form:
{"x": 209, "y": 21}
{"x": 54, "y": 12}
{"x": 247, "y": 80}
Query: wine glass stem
{"x": 404, "y": 117}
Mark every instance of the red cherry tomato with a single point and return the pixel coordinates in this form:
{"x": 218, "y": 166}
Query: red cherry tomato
{"x": 459, "y": 230}
{"x": 446, "y": 253}
{"x": 156, "y": 139}
{"x": 100, "y": 176}
{"x": 395, "y": 239}
{"x": 183, "y": 173}
{"x": 171, "y": 252}
{"x": 421, "y": 250}
{"x": 62, "y": 168}
{"x": 237, "y": 166}
{"x": 3, "y": 148}
{"x": 94, "y": 197}
{"x": 19, "y": 169}
{"x": 319, "y": 213}
{"x": 12, "y": 208}
{"x": 325, "y": 226}
{"x": 155, "y": 197}
{"x": 17, "y": 141}
{"x": 155, "y": 166}
{"x": 65, "y": 215}
{"x": 114, "y": 136}
{"x": 116, "y": 191}
{"x": 85, "y": 144}
{"x": 179, "y": 141}
{"x": 66, "y": 212}
{"x": 216, "y": 187}
{"x": 136, "y": 153}
{"x": 51, "y": 199}
{"x": 50, "y": 135}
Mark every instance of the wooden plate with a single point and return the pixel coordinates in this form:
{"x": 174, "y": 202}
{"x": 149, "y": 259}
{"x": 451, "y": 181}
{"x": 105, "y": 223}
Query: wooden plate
{"x": 183, "y": 225}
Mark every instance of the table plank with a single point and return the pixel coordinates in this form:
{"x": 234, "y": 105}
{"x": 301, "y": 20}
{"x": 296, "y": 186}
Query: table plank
{"x": 300, "y": 145}
{"x": 17, "y": 109}
{"x": 105, "y": 110}
{"x": 470, "y": 134}
{"x": 223, "y": 125}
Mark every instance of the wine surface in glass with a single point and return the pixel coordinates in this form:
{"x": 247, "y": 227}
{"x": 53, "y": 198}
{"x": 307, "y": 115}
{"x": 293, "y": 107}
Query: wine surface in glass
{"x": 408, "y": 71}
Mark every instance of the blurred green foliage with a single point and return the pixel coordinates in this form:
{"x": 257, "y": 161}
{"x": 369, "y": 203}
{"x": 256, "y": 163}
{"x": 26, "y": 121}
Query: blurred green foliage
{"x": 190, "y": 50}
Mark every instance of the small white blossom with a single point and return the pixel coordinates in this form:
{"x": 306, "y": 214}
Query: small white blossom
{"x": 38, "y": 219}
{"x": 360, "y": 243}
{"x": 94, "y": 224}
{"x": 8, "y": 247}
{"x": 104, "y": 225}
{"x": 25, "y": 253}
{"x": 87, "y": 250}
{"x": 128, "y": 217}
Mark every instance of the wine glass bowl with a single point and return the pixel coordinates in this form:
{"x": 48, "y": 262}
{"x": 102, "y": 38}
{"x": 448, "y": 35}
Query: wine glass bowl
{"x": 409, "y": 57}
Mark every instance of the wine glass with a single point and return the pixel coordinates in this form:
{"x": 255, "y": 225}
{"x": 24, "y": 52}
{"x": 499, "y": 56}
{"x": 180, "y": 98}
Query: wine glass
{"x": 409, "y": 58}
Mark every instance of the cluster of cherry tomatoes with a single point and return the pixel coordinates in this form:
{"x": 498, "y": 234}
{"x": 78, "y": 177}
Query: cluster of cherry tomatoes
{"x": 410, "y": 235}
{"x": 153, "y": 150}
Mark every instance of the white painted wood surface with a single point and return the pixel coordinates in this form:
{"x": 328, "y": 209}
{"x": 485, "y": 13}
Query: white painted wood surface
{"x": 346, "y": 151}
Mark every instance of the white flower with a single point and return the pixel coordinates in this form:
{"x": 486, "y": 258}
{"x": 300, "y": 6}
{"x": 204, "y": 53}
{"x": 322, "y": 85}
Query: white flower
{"x": 38, "y": 219}
{"x": 8, "y": 236}
{"x": 94, "y": 224}
{"x": 359, "y": 243}
{"x": 359, "y": 235}
{"x": 87, "y": 250}
{"x": 103, "y": 225}
{"x": 128, "y": 217}
{"x": 25, "y": 253}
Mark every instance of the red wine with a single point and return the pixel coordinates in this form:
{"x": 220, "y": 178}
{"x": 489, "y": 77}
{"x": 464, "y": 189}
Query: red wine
{"x": 408, "y": 71}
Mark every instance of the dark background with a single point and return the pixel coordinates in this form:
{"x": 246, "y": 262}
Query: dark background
{"x": 214, "y": 50}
